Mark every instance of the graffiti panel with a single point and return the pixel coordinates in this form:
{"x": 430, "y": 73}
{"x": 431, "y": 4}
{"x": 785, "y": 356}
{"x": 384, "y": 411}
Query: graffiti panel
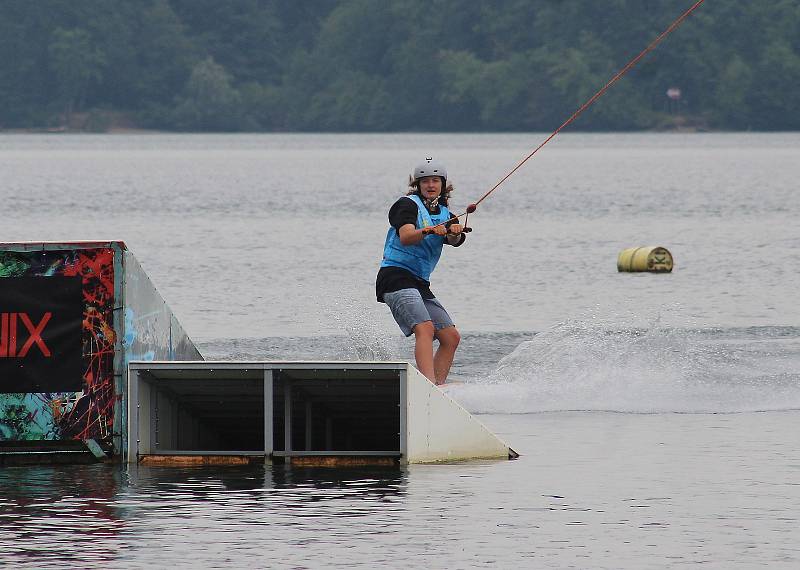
{"x": 61, "y": 408}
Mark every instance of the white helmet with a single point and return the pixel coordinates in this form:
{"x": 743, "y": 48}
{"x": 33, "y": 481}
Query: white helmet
{"x": 430, "y": 168}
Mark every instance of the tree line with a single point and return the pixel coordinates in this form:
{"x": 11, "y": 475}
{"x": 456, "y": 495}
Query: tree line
{"x": 397, "y": 65}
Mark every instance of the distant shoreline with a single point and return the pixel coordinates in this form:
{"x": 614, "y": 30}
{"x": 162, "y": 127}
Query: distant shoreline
{"x": 144, "y": 131}
{"x": 147, "y": 131}
{"x": 117, "y": 122}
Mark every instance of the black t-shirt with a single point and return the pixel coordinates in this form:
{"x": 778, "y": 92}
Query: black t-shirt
{"x": 389, "y": 279}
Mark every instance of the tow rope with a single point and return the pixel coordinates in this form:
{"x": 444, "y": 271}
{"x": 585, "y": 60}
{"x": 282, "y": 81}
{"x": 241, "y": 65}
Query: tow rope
{"x": 474, "y": 206}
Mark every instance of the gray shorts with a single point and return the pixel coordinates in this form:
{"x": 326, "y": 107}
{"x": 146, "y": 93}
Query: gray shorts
{"x": 409, "y": 309}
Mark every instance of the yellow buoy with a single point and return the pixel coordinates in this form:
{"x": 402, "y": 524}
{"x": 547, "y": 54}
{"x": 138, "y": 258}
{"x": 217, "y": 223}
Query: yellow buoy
{"x": 650, "y": 258}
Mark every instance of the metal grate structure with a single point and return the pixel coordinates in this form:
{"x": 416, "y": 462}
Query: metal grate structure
{"x": 305, "y": 413}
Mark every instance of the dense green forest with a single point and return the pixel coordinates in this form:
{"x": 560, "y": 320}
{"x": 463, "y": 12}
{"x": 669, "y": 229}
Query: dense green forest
{"x": 399, "y": 65}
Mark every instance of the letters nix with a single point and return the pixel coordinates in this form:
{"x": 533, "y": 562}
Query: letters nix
{"x": 9, "y": 334}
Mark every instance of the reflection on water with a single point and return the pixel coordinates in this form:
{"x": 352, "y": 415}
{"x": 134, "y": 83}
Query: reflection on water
{"x": 297, "y": 488}
{"x": 75, "y": 516}
{"x": 59, "y": 515}
{"x": 590, "y": 490}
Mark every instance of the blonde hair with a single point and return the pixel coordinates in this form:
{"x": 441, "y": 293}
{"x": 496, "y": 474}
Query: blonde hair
{"x": 444, "y": 198}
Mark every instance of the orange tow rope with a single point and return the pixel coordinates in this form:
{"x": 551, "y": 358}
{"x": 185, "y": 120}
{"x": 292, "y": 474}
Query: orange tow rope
{"x": 472, "y": 207}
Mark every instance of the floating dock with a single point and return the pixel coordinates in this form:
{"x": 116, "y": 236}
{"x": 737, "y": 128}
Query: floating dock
{"x": 302, "y": 413}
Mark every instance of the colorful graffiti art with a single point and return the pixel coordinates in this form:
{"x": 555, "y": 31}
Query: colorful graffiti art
{"x": 84, "y": 414}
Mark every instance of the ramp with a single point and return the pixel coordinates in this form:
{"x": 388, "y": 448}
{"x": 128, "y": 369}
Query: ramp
{"x": 72, "y": 315}
{"x": 303, "y": 413}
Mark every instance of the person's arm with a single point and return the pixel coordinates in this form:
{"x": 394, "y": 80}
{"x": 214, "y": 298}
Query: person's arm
{"x": 410, "y": 234}
{"x": 403, "y": 218}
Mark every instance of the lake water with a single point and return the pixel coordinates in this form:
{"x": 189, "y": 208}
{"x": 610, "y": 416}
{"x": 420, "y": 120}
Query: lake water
{"x": 657, "y": 416}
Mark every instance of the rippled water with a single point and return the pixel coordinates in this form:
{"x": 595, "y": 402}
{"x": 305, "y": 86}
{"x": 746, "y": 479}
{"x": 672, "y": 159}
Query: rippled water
{"x": 656, "y": 414}
{"x": 594, "y": 490}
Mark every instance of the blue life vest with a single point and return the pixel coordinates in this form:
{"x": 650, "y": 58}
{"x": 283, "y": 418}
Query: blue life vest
{"x": 420, "y": 258}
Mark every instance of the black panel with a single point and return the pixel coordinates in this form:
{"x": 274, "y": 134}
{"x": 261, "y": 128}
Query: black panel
{"x": 40, "y": 334}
